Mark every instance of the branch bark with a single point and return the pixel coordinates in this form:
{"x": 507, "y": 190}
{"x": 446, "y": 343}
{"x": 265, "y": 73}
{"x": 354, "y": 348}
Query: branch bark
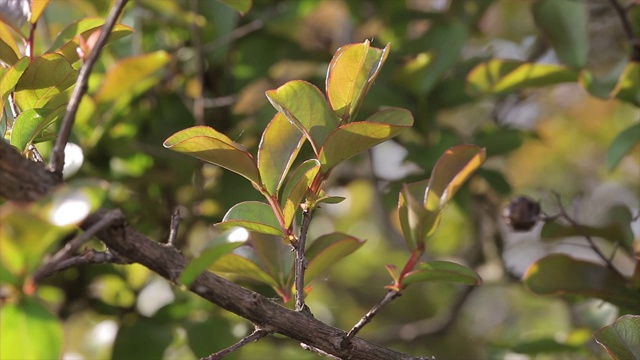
{"x": 22, "y": 181}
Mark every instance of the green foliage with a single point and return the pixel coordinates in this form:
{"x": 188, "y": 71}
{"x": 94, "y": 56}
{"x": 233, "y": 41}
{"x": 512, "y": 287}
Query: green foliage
{"x": 453, "y": 76}
{"x": 620, "y": 339}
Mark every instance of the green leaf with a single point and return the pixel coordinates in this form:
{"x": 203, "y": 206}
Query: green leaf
{"x": 37, "y": 7}
{"x": 47, "y": 76}
{"x": 207, "y": 144}
{"x": 142, "y": 338}
{"x": 441, "y": 271}
{"x": 327, "y": 250}
{"x": 29, "y": 331}
{"x": 498, "y": 76}
{"x": 453, "y": 168}
{"x": 351, "y": 73}
{"x": 297, "y": 187}
{"x": 241, "y": 266}
{"x": 31, "y": 123}
{"x": 280, "y": 144}
{"x": 306, "y": 107}
{"x": 9, "y": 52}
{"x": 622, "y": 338}
{"x": 126, "y": 74}
{"x": 204, "y": 260}
{"x": 199, "y": 335}
{"x": 413, "y": 214}
{"x": 241, "y": 6}
{"x": 350, "y": 139}
{"x": 624, "y": 142}
{"x": 560, "y": 274}
{"x": 254, "y": 216}
{"x": 67, "y": 42}
{"x": 445, "y": 40}
{"x": 564, "y": 23}
{"x": 11, "y": 77}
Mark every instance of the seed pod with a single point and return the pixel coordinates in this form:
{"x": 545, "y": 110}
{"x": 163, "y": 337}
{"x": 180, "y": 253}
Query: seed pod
{"x": 522, "y": 213}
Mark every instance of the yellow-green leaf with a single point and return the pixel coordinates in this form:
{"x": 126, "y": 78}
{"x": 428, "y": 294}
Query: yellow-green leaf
{"x": 351, "y": 73}
{"x": 9, "y": 52}
{"x": 207, "y": 144}
{"x": 127, "y": 73}
{"x": 628, "y": 87}
{"x": 204, "y": 261}
{"x": 37, "y": 7}
{"x": 29, "y": 331}
{"x": 350, "y": 139}
{"x": 297, "y": 187}
{"x": 306, "y": 107}
{"x": 31, "y": 123}
{"x": 499, "y": 76}
{"x": 280, "y": 144}
{"x": 453, "y": 168}
{"x": 67, "y": 41}
{"x": 241, "y": 6}
{"x": 47, "y": 76}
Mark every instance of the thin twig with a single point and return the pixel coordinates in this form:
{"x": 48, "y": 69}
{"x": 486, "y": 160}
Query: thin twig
{"x": 628, "y": 29}
{"x": 173, "y": 230}
{"x": 317, "y": 351}
{"x": 256, "y": 335}
{"x": 88, "y": 257}
{"x": 585, "y": 234}
{"x": 57, "y": 156}
{"x": 301, "y": 262}
{"x": 390, "y": 296}
{"x": 74, "y": 244}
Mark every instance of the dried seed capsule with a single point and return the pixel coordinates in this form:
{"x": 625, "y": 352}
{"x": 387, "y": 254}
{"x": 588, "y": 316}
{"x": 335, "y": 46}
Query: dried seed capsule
{"x": 522, "y": 213}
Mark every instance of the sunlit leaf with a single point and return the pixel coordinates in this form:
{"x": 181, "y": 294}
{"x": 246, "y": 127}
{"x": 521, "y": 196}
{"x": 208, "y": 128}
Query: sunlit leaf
{"x": 127, "y": 73}
{"x": 37, "y": 7}
{"x": 625, "y": 141}
{"x": 204, "y": 260}
{"x": 29, "y": 331}
{"x": 442, "y": 271}
{"x": 207, "y": 144}
{"x": 67, "y": 42}
{"x": 444, "y": 40}
{"x": 498, "y": 76}
{"x": 9, "y": 52}
{"x": 351, "y": 73}
{"x": 297, "y": 187}
{"x": 560, "y": 274}
{"x": 453, "y": 168}
{"x": 25, "y": 237}
{"x": 306, "y": 107}
{"x": 622, "y": 338}
{"x": 253, "y": 216}
{"x": 281, "y": 142}
{"x": 327, "y": 250}
{"x": 350, "y": 139}
{"x": 11, "y": 77}
{"x": 47, "y": 76}
{"x": 31, "y": 123}
{"x": 564, "y": 23}
{"x": 238, "y": 265}
{"x": 241, "y": 6}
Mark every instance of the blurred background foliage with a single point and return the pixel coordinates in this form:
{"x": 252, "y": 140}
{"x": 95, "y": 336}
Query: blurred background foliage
{"x": 201, "y": 62}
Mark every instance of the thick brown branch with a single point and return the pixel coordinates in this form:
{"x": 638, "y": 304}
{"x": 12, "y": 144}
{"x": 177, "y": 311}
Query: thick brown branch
{"x": 23, "y": 180}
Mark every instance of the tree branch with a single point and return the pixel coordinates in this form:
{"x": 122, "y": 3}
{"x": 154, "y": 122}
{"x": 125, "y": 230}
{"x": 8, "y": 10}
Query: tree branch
{"x": 256, "y": 335}
{"x": 57, "y": 156}
{"x": 301, "y": 262}
{"x": 23, "y": 180}
{"x": 628, "y": 29}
